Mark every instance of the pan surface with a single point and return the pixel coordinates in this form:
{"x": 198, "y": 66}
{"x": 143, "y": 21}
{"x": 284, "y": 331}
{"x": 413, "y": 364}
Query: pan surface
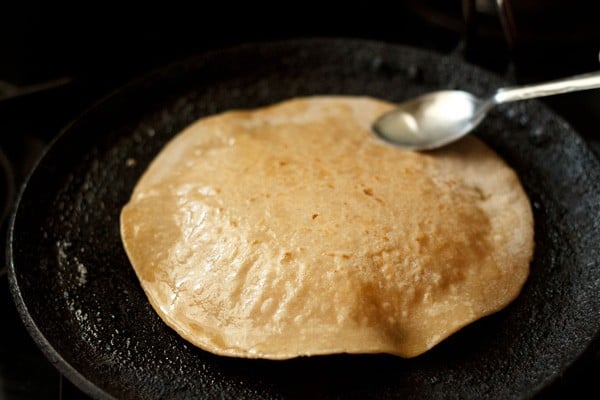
{"x": 82, "y": 303}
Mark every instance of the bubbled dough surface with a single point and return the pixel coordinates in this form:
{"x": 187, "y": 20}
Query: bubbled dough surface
{"x": 290, "y": 230}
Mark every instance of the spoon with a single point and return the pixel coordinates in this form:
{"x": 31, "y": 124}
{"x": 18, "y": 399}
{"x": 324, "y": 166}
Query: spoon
{"x": 439, "y": 118}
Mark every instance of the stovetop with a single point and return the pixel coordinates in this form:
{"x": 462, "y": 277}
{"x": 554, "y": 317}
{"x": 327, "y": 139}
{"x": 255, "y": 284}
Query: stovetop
{"x": 44, "y": 85}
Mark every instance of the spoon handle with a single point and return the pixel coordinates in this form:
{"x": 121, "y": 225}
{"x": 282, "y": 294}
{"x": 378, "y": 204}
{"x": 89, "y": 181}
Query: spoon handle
{"x": 572, "y": 84}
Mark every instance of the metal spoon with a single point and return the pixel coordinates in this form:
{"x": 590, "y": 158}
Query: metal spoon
{"x": 439, "y": 118}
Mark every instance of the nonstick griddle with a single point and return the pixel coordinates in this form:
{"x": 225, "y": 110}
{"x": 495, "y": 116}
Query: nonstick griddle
{"x": 83, "y": 305}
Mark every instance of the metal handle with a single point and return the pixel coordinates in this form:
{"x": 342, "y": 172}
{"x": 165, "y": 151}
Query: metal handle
{"x": 572, "y": 84}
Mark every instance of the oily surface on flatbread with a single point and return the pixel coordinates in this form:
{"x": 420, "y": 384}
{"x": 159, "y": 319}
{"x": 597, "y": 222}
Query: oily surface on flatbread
{"x": 291, "y": 230}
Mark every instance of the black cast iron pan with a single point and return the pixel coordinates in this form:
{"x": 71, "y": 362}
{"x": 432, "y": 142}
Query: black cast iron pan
{"x": 82, "y": 303}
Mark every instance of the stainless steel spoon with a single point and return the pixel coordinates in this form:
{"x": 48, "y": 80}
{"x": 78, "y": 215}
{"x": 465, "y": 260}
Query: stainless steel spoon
{"x": 439, "y": 118}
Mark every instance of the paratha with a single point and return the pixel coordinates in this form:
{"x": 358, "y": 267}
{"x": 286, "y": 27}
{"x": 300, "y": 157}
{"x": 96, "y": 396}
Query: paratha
{"x": 291, "y": 230}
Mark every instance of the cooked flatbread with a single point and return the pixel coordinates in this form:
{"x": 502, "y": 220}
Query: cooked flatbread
{"x": 291, "y": 230}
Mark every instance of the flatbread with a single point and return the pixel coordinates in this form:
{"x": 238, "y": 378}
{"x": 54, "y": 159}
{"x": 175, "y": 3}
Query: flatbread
{"x": 291, "y": 230}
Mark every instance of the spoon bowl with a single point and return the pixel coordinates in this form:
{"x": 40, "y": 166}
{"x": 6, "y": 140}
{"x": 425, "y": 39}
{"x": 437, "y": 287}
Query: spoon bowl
{"x": 439, "y": 118}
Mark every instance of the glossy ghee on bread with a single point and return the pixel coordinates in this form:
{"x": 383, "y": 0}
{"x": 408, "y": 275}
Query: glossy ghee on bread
{"x": 290, "y": 230}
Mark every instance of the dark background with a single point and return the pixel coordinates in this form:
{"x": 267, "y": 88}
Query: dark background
{"x": 58, "y": 59}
